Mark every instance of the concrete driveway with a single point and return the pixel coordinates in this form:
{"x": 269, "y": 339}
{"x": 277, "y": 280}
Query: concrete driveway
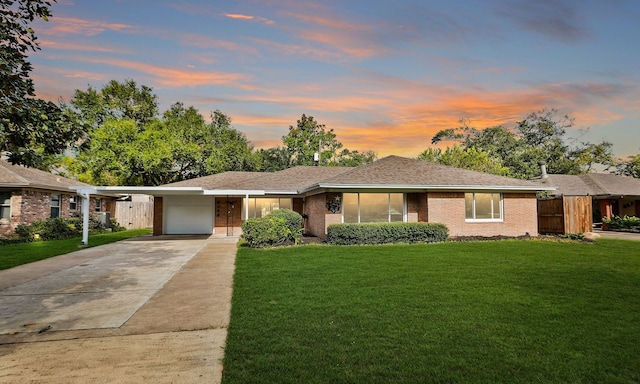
{"x": 151, "y": 309}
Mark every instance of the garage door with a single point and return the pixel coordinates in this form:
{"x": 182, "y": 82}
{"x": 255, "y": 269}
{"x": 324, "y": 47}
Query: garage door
{"x": 191, "y": 215}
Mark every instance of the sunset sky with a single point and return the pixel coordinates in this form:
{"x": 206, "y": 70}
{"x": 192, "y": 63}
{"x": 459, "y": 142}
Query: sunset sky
{"x": 385, "y": 75}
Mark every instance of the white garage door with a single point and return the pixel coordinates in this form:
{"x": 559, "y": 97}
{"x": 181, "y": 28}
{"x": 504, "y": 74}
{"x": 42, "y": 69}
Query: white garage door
{"x": 191, "y": 215}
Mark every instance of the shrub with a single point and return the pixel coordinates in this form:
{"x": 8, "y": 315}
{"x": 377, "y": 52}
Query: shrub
{"x": 264, "y": 232}
{"x": 293, "y": 221}
{"x": 58, "y": 228}
{"x": 385, "y": 233}
{"x": 625, "y": 222}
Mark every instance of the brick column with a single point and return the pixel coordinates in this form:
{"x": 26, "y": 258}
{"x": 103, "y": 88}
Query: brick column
{"x": 157, "y": 216}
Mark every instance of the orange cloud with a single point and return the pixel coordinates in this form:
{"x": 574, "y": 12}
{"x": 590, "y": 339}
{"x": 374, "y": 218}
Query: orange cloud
{"x": 240, "y": 16}
{"x": 48, "y": 44}
{"x": 69, "y": 25}
{"x": 172, "y": 77}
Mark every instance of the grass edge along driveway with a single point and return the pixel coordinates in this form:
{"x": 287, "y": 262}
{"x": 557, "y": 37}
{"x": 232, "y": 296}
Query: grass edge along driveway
{"x": 12, "y": 255}
{"x": 499, "y": 312}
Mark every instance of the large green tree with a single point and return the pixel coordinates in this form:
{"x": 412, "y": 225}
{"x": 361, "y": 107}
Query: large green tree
{"x": 303, "y": 141}
{"x": 475, "y": 159}
{"x": 31, "y": 129}
{"x": 119, "y": 100}
{"x": 179, "y": 146}
{"x": 540, "y": 137}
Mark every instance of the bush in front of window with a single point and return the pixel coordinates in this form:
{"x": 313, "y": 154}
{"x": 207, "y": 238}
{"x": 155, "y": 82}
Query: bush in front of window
{"x": 386, "y": 233}
{"x": 265, "y": 232}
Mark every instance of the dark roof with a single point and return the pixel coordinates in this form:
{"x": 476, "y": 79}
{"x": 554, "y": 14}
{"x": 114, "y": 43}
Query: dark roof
{"x": 594, "y": 184}
{"x": 225, "y": 180}
{"x": 399, "y": 171}
{"x": 17, "y": 176}
{"x": 293, "y": 179}
{"x": 391, "y": 172}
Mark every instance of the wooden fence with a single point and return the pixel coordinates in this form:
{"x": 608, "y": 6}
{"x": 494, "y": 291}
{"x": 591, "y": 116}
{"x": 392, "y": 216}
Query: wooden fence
{"x": 134, "y": 214}
{"x": 566, "y": 214}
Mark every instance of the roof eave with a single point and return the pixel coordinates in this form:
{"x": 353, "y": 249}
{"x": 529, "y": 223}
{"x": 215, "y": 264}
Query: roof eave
{"x": 408, "y": 187}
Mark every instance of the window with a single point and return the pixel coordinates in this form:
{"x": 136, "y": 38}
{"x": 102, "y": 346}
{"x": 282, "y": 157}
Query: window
{"x": 98, "y": 205}
{"x": 5, "y": 205}
{"x": 73, "y": 203}
{"x": 261, "y": 206}
{"x": 372, "y": 207}
{"x": 483, "y": 206}
{"x": 55, "y": 206}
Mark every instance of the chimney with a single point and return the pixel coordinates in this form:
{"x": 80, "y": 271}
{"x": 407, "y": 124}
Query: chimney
{"x": 316, "y": 159}
{"x": 543, "y": 169}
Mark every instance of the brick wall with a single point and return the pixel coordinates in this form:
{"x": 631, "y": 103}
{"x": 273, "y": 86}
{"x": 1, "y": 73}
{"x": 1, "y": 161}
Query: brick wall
{"x": 30, "y": 205}
{"x": 315, "y": 210}
{"x": 520, "y": 215}
{"x": 417, "y": 207}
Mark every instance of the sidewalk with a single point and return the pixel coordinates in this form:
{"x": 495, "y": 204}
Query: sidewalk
{"x": 177, "y": 336}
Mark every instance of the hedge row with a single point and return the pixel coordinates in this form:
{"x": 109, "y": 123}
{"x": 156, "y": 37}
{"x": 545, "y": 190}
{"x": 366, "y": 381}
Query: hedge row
{"x": 385, "y": 233}
{"x": 275, "y": 228}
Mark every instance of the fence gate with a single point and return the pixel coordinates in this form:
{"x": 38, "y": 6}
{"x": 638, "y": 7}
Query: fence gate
{"x": 566, "y": 214}
{"x": 134, "y": 214}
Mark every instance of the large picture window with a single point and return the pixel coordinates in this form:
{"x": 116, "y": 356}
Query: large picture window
{"x": 5, "y": 205}
{"x": 372, "y": 207}
{"x": 261, "y": 206}
{"x": 55, "y": 206}
{"x": 483, "y": 206}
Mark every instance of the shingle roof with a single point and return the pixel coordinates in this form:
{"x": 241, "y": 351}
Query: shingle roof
{"x": 400, "y": 171}
{"x": 571, "y": 185}
{"x": 17, "y": 176}
{"x": 594, "y": 184}
{"x": 389, "y": 172}
{"x": 293, "y": 179}
{"x": 225, "y": 180}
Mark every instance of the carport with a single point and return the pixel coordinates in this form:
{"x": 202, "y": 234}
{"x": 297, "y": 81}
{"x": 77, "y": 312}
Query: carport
{"x": 177, "y": 210}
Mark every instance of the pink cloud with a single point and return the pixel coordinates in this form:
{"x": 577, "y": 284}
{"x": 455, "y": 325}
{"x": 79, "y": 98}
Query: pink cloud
{"x": 172, "y": 77}
{"x": 76, "y": 26}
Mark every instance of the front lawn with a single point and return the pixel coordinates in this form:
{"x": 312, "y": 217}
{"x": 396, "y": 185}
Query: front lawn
{"x": 485, "y": 312}
{"x": 16, "y": 254}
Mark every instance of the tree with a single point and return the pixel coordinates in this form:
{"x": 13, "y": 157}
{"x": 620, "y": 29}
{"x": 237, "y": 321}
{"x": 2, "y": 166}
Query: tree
{"x": 475, "y": 159}
{"x": 631, "y": 167}
{"x": 540, "y": 137}
{"x": 117, "y": 100}
{"x": 178, "y": 147}
{"x": 347, "y": 158}
{"x": 273, "y": 159}
{"x": 30, "y": 128}
{"x": 308, "y": 138}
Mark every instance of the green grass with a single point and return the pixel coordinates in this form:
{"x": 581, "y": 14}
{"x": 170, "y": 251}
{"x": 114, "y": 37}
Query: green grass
{"x": 481, "y": 312}
{"x": 17, "y": 254}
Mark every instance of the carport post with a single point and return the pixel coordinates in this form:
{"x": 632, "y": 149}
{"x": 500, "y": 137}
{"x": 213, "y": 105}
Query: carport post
{"x": 86, "y": 195}
{"x": 246, "y": 207}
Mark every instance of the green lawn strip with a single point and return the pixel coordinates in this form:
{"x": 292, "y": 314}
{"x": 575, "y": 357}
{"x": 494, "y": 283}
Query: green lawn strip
{"x": 499, "y": 312}
{"x": 17, "y": 254}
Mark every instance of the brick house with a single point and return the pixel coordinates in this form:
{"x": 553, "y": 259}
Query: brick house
{"x": 392, "y": 189}
{"x": 28, "y": 195}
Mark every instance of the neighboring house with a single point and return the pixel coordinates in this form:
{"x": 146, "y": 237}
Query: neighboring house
{"x": 29, "y": 194}
{"x": 392, "y": 189}
{"x": 610, "y": 194}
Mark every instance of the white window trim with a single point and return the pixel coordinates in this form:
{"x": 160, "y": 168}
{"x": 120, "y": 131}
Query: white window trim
{"x": 473, "y": 209}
